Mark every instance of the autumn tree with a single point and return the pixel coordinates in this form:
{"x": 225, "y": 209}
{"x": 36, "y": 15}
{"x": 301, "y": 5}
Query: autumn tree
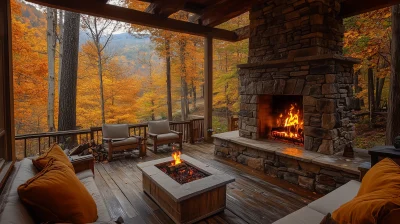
{"x": 367, "y": 37}
{"x": 69, "y": 70}
{"x": 51, "y": 57}
{"x": 393, "y": 121}
{"x": 100, "y": 32}
{"x": 29, "y": 69}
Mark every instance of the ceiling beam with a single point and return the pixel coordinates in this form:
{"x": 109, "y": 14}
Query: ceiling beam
{"x": 243, "y": 32}
{"x": 94, "y": 8}
{"x": 165, "y": 8}
{"x": 355, "y": 7}
{"x": 222, "y": 11}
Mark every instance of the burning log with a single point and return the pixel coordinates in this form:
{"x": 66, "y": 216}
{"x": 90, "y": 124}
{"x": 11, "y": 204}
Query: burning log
{"x": 180, "y": 171}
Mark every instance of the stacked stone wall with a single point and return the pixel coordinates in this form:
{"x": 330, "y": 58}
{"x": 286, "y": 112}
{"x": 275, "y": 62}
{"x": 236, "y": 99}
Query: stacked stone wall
{"x": 300, "y": 172}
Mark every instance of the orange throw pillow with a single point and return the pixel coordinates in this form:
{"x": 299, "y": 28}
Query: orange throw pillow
{"x": 56, "y": 195}
{"x": 378, "y": 199}
{"x": 54, "y": 152}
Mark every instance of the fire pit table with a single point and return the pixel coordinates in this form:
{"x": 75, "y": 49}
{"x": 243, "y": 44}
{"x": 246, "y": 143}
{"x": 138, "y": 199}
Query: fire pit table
{"x": 185, "y": 188}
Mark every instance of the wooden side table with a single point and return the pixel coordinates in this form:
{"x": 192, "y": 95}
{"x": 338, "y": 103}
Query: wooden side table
{"x": 379, "y": 152}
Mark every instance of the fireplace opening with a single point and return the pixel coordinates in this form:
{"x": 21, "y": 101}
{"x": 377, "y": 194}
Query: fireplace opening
{"x": 281, "y": 118}
{"x": 181, "y": 171}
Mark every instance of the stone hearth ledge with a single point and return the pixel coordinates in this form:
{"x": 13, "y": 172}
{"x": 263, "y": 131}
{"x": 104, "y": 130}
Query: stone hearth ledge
{"x": 181, "y": 192}
{"x": 292, "y": 151}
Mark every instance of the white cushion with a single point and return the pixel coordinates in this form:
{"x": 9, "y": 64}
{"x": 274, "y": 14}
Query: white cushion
{"x": 304, "y": 215}
{"x": 332, "y": 201}
{"x": 84, "y": 174}
{"x": 13, "y": 211}
{"x": 115, "y": 131}
{"x": 102, "y": 211}
{"x": 159, "y": 127}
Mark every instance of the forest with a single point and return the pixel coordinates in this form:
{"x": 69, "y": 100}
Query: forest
{"x": 158, "y": 74}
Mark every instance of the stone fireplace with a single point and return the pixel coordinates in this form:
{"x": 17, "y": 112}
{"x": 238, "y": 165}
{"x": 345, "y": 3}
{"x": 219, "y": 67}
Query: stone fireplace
{"x": 295, "y": 60}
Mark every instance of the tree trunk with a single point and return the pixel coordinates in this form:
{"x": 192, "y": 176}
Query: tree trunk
{"x": 393, "y": 121}
{"x": 371, "y": 100}
{"x": 194, "y": 95}
{"x": 184, "y": 87}
{"x": 357, "y": 88}
{"x": 51, "y": 57}
{"x": 69, "y": 70}
{"x": 60, "y": 44}
{"x": 100, "y": 73}
{"x": 379, "y": 89}
{"x": 168, "y": 64}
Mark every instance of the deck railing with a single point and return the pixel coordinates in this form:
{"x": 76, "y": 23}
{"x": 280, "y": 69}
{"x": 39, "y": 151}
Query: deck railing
{"x": 35, "y": 144}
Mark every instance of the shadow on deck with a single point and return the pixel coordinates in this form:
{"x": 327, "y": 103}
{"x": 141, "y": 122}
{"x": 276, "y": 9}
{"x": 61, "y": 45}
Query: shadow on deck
{"x": 252, "y": 198}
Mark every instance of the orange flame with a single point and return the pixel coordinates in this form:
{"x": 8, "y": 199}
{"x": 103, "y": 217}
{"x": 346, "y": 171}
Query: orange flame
{"x": 291, "y": 121}
{"x": 177, "y": 158}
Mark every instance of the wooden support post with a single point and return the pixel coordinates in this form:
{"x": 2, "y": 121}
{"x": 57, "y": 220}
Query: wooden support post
{"x": 6, "y": 84}
{"x": 208, "y": 87}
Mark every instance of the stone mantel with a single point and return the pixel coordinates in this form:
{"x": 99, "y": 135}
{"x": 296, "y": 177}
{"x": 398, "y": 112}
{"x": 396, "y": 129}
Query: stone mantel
{"x": 274, "y": 63}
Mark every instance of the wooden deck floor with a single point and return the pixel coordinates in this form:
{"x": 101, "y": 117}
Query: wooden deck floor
{"x": 250, "y": 199}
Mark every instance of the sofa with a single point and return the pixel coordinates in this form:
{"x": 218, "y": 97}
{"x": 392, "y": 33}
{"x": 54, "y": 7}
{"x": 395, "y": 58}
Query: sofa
{"x": 13, "y": 211}
{"x": 318, "y": 209}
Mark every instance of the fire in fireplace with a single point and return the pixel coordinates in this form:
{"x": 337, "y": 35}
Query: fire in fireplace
{"x": 181, "y": 171}
{"x": 289, "y": 125}
{"x": 281, "y": 117}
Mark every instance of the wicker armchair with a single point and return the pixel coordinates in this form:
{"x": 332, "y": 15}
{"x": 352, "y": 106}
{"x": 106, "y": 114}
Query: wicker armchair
{"x": 116, "y": 137}
{"x": 160, "y": 133}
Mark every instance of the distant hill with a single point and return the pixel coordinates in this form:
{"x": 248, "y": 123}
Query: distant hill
{"x": 122, "y": 44}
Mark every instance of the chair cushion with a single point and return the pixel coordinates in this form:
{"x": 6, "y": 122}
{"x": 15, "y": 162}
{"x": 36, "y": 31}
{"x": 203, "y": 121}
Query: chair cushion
{"x": 55, "y": 152}
{"x": 159, "y": 127}
{"x": 336, "y": 198}
{"x": 378, "y": 197}
{"x": 56, "y": 195}
{"x": 115, "y": 131}
{"x": 166, "y": 137}
{"x": 127, "y": 141}
{"x": 304, "y": 215}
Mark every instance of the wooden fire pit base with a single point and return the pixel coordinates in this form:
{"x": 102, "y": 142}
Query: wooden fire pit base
{"x": 190, "y": 202}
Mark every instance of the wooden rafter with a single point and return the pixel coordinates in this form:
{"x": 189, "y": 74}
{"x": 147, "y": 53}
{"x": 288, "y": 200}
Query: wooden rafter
{"x": 94, "y": 8}
{"x": 165, "y": 8}
{"x": 222, "y": 11}
{"x": 355, "y": 7}
{"x": 242, "y": 32}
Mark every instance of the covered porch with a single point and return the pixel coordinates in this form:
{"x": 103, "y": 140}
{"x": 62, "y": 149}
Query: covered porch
{"x": 253, "y": 198}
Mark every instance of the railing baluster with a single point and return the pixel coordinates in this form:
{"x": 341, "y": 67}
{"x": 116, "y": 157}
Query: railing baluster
{"x": 39, "y": 145}
{"x": 25, "y": 147}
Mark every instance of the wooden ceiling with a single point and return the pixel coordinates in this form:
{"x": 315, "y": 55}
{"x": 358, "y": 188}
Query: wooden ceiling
{"x": 206, "y": 13}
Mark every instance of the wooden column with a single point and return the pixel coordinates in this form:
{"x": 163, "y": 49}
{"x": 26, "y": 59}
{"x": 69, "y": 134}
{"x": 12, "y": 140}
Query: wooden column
{"x": 7, "y": 153}
{"x": 208, "y": 87}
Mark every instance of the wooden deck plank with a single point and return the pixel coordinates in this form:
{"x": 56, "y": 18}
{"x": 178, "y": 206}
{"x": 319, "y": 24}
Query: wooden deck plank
{"x": 133, "y": 195}
{"x": 126, "y": 206}
{"x": 253, "y": 198}
{"x": 114, "y": 207}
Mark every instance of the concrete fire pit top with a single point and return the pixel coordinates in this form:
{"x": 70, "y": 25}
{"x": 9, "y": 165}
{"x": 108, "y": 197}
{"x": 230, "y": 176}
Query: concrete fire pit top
{"x": 181, "y": 192}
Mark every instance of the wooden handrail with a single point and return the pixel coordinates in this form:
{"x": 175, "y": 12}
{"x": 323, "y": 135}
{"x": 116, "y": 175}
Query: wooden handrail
{"x": 191, "y": 129}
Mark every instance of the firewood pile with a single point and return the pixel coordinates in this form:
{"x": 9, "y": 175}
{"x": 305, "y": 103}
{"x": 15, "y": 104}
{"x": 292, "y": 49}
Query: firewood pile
{"x": 99, "y": 153}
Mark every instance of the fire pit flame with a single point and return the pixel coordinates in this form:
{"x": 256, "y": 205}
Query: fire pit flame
{"x": 177, "y": 158}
